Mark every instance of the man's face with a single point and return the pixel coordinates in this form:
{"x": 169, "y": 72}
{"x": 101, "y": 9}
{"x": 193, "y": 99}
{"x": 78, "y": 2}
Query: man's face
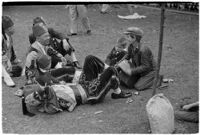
{"x": 131, "y": 38}
{"x": 44, "y": 39}
{"x": 10, "y": 30}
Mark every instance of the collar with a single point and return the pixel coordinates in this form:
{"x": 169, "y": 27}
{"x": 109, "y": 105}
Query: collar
{"x": 38, "y": 45}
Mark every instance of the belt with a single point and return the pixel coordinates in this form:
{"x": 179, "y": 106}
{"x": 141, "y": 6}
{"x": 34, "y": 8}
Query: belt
{"x": 77, "y": 94}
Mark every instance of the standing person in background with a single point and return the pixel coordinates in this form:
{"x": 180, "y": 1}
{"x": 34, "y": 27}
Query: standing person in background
{"x": 63, "y": 47}
{"x": 78, "y": 12}
{"x": 9, "y": 60}
{"x": 105, "y": 8}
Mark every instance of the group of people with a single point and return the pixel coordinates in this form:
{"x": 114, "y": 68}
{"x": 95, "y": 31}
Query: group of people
{"x": 54, "y": 83}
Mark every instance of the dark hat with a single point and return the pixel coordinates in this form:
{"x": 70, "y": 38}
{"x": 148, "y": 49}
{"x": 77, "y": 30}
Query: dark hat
{"x": 6, "y": 22}
{"x": 44, "y": 61}
{"x": 38, "y": 20}
{"x": 39, "y": 29}
{"x": 134, "y": 30}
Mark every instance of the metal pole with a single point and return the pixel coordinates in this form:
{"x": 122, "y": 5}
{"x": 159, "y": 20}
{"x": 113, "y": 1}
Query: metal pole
{"x": 160, "y": 48}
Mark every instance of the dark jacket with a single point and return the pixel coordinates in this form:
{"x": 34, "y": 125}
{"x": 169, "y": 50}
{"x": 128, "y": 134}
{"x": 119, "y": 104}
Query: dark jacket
{"x": 142, "y": 60}
{"x": 53, "y": 34}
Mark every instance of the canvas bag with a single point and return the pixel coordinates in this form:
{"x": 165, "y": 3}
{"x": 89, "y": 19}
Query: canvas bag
{"x": 160, "y": 114}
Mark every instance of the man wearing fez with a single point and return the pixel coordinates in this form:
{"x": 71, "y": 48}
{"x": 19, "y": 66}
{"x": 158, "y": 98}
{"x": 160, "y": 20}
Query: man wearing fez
{"x": 63, "y": 46}
{"x": 38, "y": 48}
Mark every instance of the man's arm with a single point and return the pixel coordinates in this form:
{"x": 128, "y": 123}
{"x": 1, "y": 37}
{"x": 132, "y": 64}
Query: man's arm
{"x": 187, "y": 107}
{"x": 56, "y": 54}
{"x": 30, "y": 57}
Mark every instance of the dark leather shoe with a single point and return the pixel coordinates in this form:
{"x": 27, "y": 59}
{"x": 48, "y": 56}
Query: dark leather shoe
{"x": 121, "y": 95}
{"x": 77, "y": 65}
{"x": 72, "y": 34}
{"x": 89, "y": 32}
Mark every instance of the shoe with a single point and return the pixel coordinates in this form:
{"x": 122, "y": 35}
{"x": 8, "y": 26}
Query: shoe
{"x": 77, "y": 65}
{"x": 89, "y": 32}
{"x": 71, "y": 34}
{"x": 121, "y": 95}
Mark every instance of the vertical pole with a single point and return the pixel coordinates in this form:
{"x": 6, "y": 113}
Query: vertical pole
{"x": 160, "y": 48}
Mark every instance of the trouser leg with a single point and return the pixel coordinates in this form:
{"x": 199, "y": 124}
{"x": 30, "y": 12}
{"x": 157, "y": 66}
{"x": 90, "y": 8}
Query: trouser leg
{"x": 85, "y": 23}
{"x": 73, "y": 15}
{"x": 106, "y": 83}
{"x": 187, "y": 116}
{"x": 13, "y": 55}
{"x": 147, "y": 81}
{"x": 82, "y": 12}
{"x": 92, "y": 67}
{"x": 66, "y": 74}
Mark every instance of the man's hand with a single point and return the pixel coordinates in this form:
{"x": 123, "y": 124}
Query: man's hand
{"x": 187, "y": 107}
{"x": 65, "y": 45}
{"x": 62, "y": 82}
{"x": 59, "y": 55}
{"x": 64, "y": 61}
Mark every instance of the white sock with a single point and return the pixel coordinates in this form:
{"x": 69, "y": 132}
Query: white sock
{"x": 106, "y": 66}
{"x": 73, "y": 57}
{"x": 117, "y": 91}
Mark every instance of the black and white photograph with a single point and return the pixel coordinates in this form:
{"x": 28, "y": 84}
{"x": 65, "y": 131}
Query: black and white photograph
{"x": 100, "y": 67}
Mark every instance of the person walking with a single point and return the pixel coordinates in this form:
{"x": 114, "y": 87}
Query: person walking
{"x": 76, "y": 13}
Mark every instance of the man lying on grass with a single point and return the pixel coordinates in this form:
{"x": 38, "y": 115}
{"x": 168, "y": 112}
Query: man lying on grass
{"x": 94, "y": 83}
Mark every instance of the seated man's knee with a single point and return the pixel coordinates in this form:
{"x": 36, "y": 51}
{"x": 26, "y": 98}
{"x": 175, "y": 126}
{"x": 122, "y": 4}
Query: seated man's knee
{"x": 89, "y": 57}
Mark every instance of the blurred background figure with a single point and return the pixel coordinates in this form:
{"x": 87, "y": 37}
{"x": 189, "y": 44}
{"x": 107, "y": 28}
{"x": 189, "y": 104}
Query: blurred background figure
{"x": 76, "y": 13}
{"x": 105, "y": 8}
{"x": 10, "y": 63}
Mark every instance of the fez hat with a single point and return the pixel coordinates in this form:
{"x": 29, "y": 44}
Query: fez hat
{"x": 39, "y": 29}
{"x": 38, "y": 20}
